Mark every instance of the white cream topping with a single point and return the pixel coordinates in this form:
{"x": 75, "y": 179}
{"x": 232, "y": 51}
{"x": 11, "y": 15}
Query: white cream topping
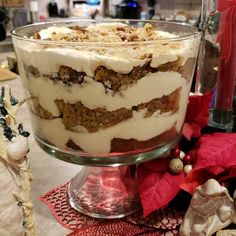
{"x": 49, "y": 60}
{"x": 162, "y": 59}
{"x": 138, "y": 127}
{"x": 93, "y": 95}
{"x": 120, "y": 58}
{"x": 17, "y": 148}
{"x": 47, "y": 33}
{"x": 105, "y": 26}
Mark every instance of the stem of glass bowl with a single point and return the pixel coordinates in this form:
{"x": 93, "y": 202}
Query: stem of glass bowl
{"x": 105, "y": 192}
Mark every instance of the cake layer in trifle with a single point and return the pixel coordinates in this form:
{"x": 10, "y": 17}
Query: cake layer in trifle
{"x": 107, "y": 87}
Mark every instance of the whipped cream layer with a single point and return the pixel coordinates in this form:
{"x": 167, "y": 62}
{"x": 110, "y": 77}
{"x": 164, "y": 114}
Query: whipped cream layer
{"x": 120, "y": 57}
{"x": 137, "y": 127}
{"x": 93, "y": 94}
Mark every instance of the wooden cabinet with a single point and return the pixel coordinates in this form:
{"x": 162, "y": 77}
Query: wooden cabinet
{"x": 13, "y": 3}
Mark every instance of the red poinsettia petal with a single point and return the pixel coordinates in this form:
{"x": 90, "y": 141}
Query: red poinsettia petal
{"x": 215, "y": 156}
{"x": 231, "y": 173}
{"x": 157, "y": 189}
{"x": 197, "y": 115}
{"x": 198, "y": 105}
{"x": 217, "y": 149}
{"x": 159, "y": 164}
{"x": 191, "y": 131}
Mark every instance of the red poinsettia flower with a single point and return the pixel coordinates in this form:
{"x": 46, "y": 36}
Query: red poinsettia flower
{"x": 215, "y": 158}
{"x": 157, "y": 185}
{"x": 197, "y": 115}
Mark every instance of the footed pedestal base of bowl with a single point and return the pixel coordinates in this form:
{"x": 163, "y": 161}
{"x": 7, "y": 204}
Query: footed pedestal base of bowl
{"x": 105, "y": 192}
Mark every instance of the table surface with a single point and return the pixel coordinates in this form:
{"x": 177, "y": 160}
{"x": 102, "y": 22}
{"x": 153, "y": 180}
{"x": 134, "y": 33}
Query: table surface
{"x": 47, "y": 171}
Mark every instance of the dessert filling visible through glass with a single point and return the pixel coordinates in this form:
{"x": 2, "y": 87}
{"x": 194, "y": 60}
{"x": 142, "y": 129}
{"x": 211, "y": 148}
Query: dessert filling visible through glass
{"x": 129, "y": 93}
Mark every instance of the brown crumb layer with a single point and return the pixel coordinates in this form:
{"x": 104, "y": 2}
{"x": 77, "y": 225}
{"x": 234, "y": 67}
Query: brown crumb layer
{"x": 116, "y": 81}
{"x": 94, "y": 119}
{"x": 91, "y": 119}
{"x": 33, "y": 71}
{"x": 127, "y": 145}
{"x": 186, "y": 70}
{"x": 164, "y": 104}
{"x": 67, "y": 75}
{"x": 109, "y": 78}
{"x": 72, "y": 145}
{"x": 38, "y": 110}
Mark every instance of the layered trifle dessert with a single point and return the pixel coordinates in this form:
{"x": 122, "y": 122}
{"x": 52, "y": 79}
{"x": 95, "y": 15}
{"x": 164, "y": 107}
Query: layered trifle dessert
{"x": 107, "y": 87}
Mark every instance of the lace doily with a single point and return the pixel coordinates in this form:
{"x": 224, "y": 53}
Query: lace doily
{"x": 164, "y": 222}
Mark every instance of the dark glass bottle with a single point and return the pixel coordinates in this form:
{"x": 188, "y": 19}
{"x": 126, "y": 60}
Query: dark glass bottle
{"x": 3, "y": 21}
{"x": 52, "y": 9}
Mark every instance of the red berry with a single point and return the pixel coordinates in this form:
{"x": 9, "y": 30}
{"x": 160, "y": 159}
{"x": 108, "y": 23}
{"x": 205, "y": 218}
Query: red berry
{"x": 175, "y": 152}
{"x": 187, "y": 159}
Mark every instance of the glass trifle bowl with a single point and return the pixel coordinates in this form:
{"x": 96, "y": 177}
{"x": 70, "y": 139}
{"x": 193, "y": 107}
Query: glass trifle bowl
{"x": 106, "y": 93}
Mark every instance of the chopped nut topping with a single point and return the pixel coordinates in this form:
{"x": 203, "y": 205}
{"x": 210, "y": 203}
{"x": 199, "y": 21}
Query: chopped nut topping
{"x": 123, "y": 33}
{"x": 36, "y": 36}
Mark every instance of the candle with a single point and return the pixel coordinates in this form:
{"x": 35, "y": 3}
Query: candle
{"x": 227, "y": 69}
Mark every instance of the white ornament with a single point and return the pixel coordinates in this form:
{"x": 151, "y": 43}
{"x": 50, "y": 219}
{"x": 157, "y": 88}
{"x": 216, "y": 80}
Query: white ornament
{"x": 181, "y": 155}
{"x": 187, "y": 169}
{"x": 210, "y": 210}
{"x": 18, "y": 148}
